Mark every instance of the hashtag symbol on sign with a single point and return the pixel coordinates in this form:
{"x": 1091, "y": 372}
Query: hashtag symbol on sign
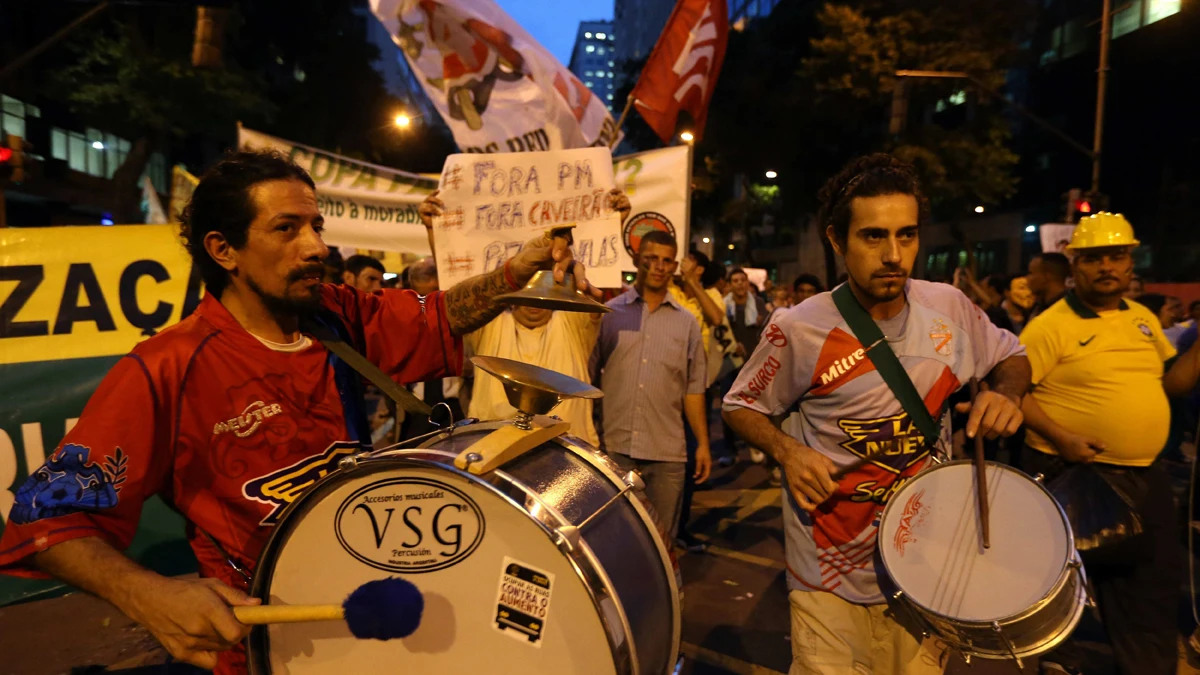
{"x": 453, "y": 218}
{"x": 453, "y": 179}
{"x": 459, "y": 263}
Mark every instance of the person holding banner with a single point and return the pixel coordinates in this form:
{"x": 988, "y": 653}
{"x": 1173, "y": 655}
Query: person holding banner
{"x": 815, "y": 360}
{"x": 233, "y": 412}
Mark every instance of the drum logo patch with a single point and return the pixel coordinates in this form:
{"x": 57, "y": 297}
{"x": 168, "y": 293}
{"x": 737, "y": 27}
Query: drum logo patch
{"x": 409, "y": 525}
{"x": 523, "y": 602}
{"x": 912, "y": 518}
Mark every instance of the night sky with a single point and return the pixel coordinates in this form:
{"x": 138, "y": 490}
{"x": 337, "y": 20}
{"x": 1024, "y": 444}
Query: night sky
{"x": 554, "y": 22}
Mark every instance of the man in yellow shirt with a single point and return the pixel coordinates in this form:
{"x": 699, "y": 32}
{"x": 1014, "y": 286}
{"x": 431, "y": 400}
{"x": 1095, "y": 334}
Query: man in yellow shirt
{"x": 1098, "y": 397}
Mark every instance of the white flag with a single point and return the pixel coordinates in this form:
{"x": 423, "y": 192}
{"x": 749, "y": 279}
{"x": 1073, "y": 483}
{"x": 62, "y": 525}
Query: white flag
{"x": 496, "y": 87}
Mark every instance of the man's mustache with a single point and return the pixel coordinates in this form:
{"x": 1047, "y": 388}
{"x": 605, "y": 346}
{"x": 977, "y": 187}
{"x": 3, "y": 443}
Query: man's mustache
{"x": 306, "y": 270}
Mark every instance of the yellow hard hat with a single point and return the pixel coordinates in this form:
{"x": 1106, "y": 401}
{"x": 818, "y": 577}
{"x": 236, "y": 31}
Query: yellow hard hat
{"x": 1102, "y": 229}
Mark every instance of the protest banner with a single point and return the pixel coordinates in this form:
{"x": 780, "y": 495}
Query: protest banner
{"x": 496, "y": 88}
{"x": 365, "y": 205}
{"x": 496, "y": 203}
{"x": 1055, "y": 237}
{"x": 656, "y": 184}
{"x": 82, "y": 298}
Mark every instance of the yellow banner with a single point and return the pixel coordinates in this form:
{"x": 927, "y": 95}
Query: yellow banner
{"x": 76, "y": 292}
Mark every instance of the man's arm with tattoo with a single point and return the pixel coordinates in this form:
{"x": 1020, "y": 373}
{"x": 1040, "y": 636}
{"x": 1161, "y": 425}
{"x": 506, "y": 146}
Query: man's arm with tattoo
{"x": 469, "y": 304}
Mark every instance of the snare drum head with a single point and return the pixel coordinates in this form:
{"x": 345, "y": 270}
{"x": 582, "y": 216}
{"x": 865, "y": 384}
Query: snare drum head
{"x": 499, "y": 596}
{"x": 930, "y": 544}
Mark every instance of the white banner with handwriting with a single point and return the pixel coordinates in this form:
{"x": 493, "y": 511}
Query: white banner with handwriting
{"x": 494, "y": 203}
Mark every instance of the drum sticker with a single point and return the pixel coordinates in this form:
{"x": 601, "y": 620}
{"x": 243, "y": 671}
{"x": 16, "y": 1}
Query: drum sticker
{"x": 409, "y": 525}
{"x": 910, "y": 520}
{"x": 523, "y": 602}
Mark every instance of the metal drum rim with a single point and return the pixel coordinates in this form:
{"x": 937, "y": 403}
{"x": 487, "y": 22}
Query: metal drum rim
{"x": 613, "y": 473}
{"x": 1045, "y": 599}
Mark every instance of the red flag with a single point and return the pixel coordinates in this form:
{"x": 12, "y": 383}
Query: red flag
{"x": 682, "y": 70}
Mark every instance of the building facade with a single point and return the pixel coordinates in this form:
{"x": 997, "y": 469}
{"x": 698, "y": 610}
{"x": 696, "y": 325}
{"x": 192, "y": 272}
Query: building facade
{"x": 593, "y": 60}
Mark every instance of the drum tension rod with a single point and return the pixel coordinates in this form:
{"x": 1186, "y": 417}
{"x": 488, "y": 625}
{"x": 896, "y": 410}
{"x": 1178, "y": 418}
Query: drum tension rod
{"x": 570, "y": 533}
{"x": 1007, "y": 645}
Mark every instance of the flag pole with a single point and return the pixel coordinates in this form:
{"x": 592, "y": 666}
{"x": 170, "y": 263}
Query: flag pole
{"x": 621, "y": 121}
{"x": 687, "y": 202}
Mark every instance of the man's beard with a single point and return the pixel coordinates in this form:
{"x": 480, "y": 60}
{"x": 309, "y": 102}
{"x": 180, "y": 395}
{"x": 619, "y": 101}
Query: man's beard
{"x": 284, "y": 305}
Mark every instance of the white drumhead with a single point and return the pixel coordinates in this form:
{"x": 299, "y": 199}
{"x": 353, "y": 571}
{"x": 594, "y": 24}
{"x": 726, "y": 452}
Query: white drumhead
{"x": 930, "y": 544}
{"x": 480, "y": 554}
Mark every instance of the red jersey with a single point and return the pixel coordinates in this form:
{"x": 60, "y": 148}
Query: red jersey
{"x": 225, "y": 429}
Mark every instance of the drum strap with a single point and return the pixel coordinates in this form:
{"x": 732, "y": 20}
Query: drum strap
{"x": 334, "y": 343}
{"x": 877, "y": 349}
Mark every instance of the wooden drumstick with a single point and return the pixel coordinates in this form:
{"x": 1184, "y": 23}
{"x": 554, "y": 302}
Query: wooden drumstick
{"x": 981, "y": 474}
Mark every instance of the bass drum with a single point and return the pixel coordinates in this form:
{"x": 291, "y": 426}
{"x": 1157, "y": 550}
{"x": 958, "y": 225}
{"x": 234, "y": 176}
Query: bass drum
{"x": 550, "y": 563}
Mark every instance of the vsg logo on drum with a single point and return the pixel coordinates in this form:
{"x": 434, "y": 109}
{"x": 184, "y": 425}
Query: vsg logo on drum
{"x": 409, "y": 525}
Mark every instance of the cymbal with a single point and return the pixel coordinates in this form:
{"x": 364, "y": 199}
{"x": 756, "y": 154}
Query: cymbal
{"x": 534, "y": 390}
{"x": 543, "y": 292}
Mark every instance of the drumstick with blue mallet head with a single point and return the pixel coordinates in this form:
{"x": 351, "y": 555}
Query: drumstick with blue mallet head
{"x": 383, "y": 609}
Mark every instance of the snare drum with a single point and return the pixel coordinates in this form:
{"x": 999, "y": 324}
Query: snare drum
{"x": 512, "y": 582}
{"x": 1020, "y": 597}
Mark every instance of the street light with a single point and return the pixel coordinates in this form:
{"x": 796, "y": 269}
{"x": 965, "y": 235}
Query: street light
{"x": 771, "y": 174}
{"x": 979, "y": 209}
{"x": 686, "y": 136}
{"x": 706, "y": 240}
{"x": 97, "y": 145}
{"x": 402, "y": 120}
{"x": 731, "y": 247}
{"x": 1031, "y": 228}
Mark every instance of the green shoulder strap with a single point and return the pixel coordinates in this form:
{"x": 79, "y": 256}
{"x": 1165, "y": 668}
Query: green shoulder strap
{"x": 881, "y": 354}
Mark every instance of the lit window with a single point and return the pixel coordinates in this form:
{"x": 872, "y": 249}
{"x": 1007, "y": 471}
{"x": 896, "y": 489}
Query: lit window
{"x": 587, "y": 73}
{"x": 77, "y": 152}
{"x": 1161, "y": 9}
{"x": 589, "y": 85}
{"x": 1127, "y": 20}
{"x": 58, "y": 143}
{"x": 958, "y": 98}
{"x": 590, "y": 48}
{"x": 610, "y": 73}
{"x": 587, "y": 35}
{"x": 611, "y": 64}
{"x": 601, "y": 36}
{"x": 600, "y": 50}
{"x": 609, "y": 97}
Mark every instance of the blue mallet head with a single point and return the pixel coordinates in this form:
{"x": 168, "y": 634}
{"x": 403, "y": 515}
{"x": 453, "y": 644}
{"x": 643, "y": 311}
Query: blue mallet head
{"x": 384, "y": 609}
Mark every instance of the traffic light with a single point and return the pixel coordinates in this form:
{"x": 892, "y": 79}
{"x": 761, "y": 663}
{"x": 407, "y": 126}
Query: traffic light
{"x": 1081, "y": 205}
{"x": 12, "y": 159}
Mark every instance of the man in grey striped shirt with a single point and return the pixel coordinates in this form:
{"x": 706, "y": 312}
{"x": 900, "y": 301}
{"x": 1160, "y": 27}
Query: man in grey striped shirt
{"x": 649, "y": 361}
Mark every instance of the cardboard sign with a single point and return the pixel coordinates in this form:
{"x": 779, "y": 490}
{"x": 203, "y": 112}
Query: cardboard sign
{"x": 494, "y": 203}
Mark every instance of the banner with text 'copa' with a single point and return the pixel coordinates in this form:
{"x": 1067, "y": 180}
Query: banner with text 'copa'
{"x": 73, "y": 300}
{"x": 365, "y": 205}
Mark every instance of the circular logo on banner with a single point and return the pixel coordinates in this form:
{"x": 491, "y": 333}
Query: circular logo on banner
{"x": 637, "y": 227}
{"x": 409, "y": 525}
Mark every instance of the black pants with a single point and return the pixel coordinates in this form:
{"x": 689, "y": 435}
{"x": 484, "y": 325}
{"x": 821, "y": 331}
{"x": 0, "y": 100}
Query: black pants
{"x": 1136, "y": 583}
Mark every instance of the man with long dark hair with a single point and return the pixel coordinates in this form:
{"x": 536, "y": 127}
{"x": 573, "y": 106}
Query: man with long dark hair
{"x": 810, "y": 361}
{"x": 232, "y": 413}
